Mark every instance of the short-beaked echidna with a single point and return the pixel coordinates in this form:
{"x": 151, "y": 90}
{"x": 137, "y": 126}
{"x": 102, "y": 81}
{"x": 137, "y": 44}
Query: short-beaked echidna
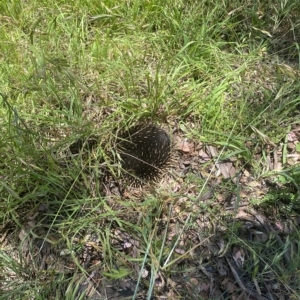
{"x": 145, "y": 151}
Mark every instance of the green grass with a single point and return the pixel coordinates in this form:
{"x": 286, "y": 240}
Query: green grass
{"x": 222, "y": 73}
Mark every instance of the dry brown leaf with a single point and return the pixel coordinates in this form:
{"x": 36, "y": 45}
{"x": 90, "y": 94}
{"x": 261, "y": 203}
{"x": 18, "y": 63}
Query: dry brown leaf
{"x": 239, "y": 256}
{"x": 203, "y": 155}
{"x": 184, "y": 146}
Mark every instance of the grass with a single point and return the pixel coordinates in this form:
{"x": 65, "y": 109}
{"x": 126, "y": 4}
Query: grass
{"x": 221, "y": 74}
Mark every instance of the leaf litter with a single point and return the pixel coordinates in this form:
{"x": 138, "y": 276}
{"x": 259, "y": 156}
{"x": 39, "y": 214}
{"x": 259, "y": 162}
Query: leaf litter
{"x": 208, "y": 259}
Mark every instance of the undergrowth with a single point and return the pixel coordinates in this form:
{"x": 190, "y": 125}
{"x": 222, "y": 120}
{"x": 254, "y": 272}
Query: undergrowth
{"x": 220, "y": 73}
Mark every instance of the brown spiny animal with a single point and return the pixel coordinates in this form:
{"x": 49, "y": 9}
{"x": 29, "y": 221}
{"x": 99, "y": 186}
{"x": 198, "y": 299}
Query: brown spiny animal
{"x": 145, "y": 151}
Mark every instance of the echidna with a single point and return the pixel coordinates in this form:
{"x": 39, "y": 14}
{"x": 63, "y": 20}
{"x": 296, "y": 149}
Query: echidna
{"x": 145, "y": 151}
